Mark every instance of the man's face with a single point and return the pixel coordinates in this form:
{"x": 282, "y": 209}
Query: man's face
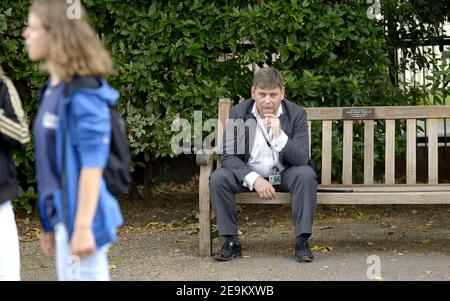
{"x": 267, "y": 100}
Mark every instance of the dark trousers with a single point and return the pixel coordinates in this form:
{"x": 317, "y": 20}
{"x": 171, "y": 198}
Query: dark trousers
{"x": 300, "y": 181}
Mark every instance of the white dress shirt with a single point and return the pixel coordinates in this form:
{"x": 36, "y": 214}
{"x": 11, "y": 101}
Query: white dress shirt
{"x": 262, "y": 157}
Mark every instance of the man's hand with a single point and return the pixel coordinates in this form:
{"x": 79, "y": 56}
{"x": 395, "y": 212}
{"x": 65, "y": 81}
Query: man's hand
{"x": 264, "y": 189}
{"x": 271, "y": 121}
{"x": 48, "y": 243}
{"x": 83, "y": 242}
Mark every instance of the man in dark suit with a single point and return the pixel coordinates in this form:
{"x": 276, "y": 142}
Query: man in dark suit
{"x": 265, "y": 148}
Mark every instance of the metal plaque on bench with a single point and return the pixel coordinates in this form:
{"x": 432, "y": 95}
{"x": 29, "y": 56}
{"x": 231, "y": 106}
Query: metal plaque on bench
{"x": 358, "y": 113}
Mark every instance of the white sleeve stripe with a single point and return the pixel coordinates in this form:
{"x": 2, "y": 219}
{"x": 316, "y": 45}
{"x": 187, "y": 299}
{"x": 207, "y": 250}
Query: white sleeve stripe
{"x": 22, "y": 132}
{"x": 16, "y": 130}
{"x": 7, "y": 121}
{"x": 21, "y": 139}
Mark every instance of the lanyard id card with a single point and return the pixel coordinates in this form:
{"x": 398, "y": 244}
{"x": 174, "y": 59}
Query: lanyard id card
{"x": 275, "y": 179}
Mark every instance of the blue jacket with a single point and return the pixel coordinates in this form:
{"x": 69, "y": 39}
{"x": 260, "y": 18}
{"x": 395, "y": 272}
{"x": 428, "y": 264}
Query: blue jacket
{"x": 85, "y": 119}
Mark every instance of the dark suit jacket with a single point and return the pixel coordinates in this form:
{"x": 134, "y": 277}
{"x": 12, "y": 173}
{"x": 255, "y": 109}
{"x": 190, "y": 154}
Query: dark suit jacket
{"x": 293, "y": 123}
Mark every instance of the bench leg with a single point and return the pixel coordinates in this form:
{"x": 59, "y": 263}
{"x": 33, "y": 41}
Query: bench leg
{"x": 205, "y": 211}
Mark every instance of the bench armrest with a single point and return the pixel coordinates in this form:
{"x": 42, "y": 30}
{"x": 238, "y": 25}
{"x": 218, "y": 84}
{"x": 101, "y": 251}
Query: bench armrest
{"x": 203, "y": 159}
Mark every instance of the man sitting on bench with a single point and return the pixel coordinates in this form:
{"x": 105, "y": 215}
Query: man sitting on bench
{"x": 270, "y": 154}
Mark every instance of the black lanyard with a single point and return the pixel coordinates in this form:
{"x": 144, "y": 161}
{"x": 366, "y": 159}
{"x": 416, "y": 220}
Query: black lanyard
{"x": 262, "y": 132}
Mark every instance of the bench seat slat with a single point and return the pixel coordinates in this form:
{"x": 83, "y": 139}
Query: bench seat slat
{"x": 393, "y": 188}
{"x": 367, "y": 197}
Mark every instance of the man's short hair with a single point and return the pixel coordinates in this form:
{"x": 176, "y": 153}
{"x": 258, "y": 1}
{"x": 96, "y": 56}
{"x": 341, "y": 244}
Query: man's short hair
{"x": 268, "y": 78}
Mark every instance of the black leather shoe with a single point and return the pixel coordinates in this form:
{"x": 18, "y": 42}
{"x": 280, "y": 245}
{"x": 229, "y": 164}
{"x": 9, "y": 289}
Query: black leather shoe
{"x": 303, "y": 252}
{"x": 229, "y": 251}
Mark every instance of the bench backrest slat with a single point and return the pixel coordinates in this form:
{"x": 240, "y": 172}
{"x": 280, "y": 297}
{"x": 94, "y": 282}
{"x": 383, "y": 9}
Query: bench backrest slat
{"x": 309, "y": 137}
{"x": 368, "y": 151}
{"x": 347, "y": 151}
{"x": 224, "y": 112}
{"x": 389, "y": 164}
{"x": 432, "y": 131}
{"x": 411, "y": 151}
{"x": 326, "y": 151}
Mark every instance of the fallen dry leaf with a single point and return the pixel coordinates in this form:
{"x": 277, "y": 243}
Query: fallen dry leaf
{"x": 326, "y": 228}
{"x": 193, "y": 231}
{"x": 323, "y": 249}
{"x": 152, "y": 224}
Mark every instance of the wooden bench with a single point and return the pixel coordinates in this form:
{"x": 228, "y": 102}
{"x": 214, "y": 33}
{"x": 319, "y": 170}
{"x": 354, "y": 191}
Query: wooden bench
{"x": 368, "y": 192}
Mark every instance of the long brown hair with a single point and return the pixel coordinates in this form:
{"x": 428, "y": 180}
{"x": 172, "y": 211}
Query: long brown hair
{"x": 74, "y": 47}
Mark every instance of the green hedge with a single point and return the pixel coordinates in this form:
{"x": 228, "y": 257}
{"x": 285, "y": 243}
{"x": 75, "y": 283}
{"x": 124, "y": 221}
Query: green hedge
{"x": 167, "y": 57}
